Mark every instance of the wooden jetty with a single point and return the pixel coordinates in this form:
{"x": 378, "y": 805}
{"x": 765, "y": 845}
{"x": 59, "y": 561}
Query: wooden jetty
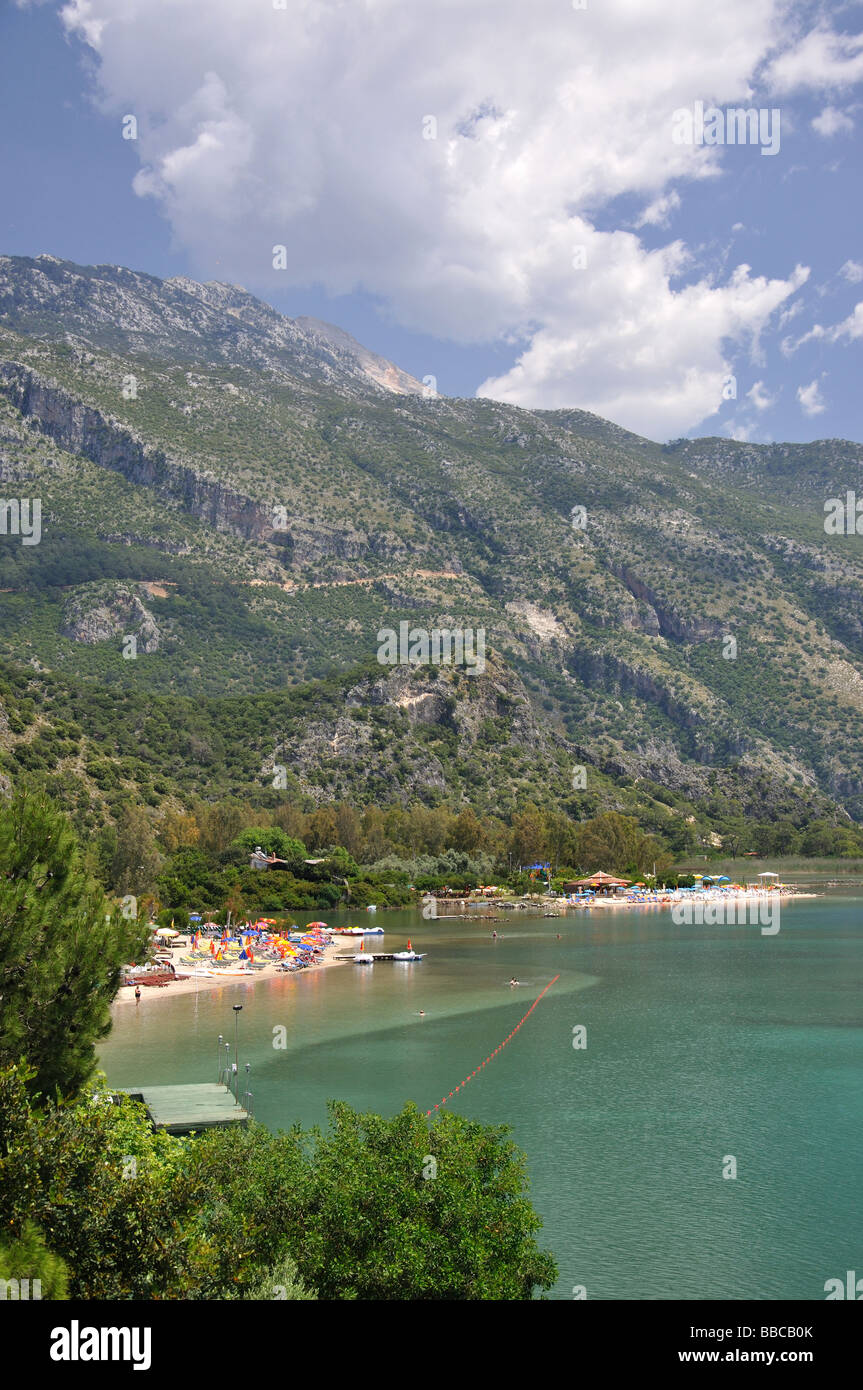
{"x": 180, "y": 1109}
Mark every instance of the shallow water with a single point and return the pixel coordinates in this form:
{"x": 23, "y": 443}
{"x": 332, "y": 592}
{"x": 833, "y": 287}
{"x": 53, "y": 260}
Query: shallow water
{"x": 703, "y": 1043}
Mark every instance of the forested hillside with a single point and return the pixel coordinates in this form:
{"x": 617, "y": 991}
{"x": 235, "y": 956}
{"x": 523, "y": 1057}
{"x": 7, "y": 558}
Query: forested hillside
{"x": 670, "y": 632}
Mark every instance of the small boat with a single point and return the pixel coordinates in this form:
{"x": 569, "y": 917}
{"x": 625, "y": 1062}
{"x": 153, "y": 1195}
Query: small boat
{"x": 358, "y": 931}
{"x": 364, "y": 958}
{"x": 408, "y": 955}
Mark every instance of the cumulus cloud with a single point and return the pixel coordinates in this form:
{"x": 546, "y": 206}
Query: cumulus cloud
{"x": 760, "y": 397}
{"x": 738, "y": 432}
{"x": 453, "y": 161}
{"x": 852, "y": 327}
{"x": 831, "y": 121}
{"x": 666, "y": 365}
{"x": 810, "y": 398}
{"x": 819, "y": 60}
{"x": 852, "y": 271}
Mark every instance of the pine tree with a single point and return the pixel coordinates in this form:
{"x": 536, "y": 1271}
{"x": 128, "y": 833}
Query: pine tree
{"x": 60, "y": 948}
{"x": 27, "y": 1257}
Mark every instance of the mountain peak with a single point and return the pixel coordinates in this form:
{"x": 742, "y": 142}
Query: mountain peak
{"x": 107, "y": 306}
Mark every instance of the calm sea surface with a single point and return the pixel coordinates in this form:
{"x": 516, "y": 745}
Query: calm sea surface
{"x": 702, "y": 1043}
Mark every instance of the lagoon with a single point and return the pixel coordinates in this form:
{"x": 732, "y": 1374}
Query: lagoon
{"x": 704, "y": 1044}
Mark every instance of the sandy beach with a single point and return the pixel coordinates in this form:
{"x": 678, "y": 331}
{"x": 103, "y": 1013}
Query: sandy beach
{"x": 194, "y": 984}
{"x": 754, "y": 895}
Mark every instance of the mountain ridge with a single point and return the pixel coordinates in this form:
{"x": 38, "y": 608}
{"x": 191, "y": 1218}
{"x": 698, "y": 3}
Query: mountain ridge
{"x": 292, "y": 506}
{"x": 62, "y": 286}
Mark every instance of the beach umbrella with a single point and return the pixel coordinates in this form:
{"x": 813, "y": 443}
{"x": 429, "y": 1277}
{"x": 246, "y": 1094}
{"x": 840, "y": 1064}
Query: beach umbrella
{"x": 166, "y": 931}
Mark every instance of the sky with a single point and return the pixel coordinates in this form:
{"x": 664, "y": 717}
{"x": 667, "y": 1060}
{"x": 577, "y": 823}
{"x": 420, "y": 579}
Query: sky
{"x": 547, "y": 203}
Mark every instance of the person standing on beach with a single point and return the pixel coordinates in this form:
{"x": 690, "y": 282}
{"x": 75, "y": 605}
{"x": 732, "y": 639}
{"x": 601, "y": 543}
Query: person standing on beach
{"x": 137, "y": 994}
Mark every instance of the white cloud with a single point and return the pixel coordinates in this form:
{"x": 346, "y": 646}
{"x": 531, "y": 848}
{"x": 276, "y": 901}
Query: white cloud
{"x": 820, "y": 60}
{"x": 852, "y": 272}
{"x": 641, "y": 355}
{"x": 852, "y": 327}
{"x": 658, "y": 213}
{"x": 831, "y": 122}
{"x": 739, "y": 432}
{"x": 760, "y": 397}
{"x": 810, "y": 398}
{"x": 790, "y": 313}
{"x": 303, "y": 127}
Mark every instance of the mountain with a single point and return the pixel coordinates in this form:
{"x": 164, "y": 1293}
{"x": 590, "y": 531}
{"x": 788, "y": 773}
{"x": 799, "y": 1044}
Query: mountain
{"x": 254, "y": 498}
{"x": 124, "y": 310}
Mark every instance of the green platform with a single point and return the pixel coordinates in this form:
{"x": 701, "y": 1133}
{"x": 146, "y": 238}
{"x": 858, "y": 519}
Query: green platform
{"x": 179, "y": 1109}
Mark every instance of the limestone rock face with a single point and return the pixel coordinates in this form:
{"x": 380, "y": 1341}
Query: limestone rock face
{"x": 100, "y": 613}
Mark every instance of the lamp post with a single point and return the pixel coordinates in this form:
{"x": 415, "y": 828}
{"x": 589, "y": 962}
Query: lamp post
{"x": 221, "y": 1040}
{"x": 237, "y": 1008}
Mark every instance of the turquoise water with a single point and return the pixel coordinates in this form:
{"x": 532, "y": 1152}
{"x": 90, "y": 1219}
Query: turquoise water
{"x": 702, "y": 1043}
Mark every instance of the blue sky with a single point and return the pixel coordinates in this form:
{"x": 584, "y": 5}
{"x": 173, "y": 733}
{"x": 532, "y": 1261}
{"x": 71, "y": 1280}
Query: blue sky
{"x": 453, "y": 250}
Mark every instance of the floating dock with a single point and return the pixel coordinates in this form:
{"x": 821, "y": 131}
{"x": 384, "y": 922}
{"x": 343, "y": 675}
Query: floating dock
{"x": 181, "y": 1109}
{"x": 378, "y": 955}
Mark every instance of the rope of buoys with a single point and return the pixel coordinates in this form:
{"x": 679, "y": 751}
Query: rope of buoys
{"x": 498, "y": 1049}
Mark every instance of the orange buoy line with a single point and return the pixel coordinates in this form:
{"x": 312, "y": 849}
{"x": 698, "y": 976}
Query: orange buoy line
{"x": 492, "y": 1055}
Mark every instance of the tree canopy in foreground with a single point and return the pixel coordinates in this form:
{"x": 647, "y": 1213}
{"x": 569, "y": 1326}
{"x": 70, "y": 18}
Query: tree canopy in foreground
{"x": 373, "y": 1208}
{"x": 61, "y": 949}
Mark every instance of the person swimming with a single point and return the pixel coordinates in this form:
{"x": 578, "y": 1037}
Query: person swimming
{"x": 513, "y": 981}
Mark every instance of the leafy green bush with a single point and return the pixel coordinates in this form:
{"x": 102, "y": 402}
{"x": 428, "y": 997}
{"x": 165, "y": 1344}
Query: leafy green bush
{"x": 384, "y": 1209}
